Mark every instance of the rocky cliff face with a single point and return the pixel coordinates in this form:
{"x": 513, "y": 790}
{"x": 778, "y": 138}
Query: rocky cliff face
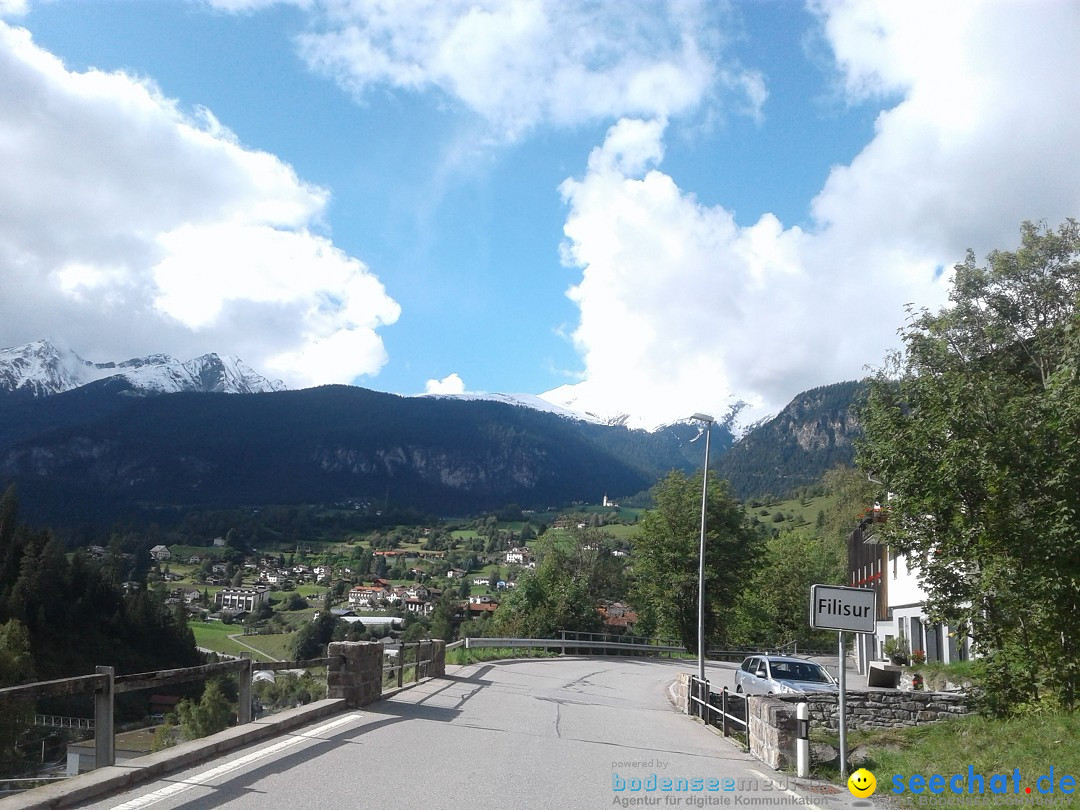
{"x": 816, "y": 431}
{"x": 818, "y": 420}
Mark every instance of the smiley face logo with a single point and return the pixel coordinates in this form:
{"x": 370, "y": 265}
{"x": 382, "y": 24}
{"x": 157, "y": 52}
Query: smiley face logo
{"x": 862, "y": 783}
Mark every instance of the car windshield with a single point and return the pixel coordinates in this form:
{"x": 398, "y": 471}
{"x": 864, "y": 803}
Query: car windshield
{"x": 800, "y": 671}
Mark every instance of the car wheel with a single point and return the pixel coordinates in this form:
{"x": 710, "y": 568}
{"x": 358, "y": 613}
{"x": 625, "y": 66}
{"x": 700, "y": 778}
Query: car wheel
{"x": 738, "y": 690}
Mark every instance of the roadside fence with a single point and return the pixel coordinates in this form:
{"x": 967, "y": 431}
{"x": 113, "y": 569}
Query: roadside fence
{"x": 725, "y": 711}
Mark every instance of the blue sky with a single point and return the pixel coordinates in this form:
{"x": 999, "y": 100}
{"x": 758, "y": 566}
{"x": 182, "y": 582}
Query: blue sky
{"x": 650, "y": 208}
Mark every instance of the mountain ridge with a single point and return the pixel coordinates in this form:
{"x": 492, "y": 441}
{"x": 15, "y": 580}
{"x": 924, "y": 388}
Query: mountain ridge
{"x": 109, "y": 448}
{"x": 42, "y": 369}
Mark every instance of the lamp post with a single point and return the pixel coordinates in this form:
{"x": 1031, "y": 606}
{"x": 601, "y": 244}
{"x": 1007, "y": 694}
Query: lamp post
{"x": 708, "y": 420}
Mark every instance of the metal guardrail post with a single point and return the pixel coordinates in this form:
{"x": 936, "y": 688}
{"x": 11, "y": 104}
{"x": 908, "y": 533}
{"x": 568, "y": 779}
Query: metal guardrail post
{"x": 723, "y": 711}
{"x": 243, "y": 709}
{"x": 708, "y": 704}
{"x": 104, "y": 738}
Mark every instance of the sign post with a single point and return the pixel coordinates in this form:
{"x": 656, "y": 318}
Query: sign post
{"x": 833, "y": 607}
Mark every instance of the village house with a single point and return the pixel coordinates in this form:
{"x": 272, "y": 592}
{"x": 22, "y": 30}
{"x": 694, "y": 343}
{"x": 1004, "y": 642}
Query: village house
{"x": 475, "y": 610}
{"x": 241, "y": 599}
{"x": 518, "y": 556}
{"x": 420, "y": 606}
{"x": 618, "y": 617}
{"x": 187, "y": 596}
{"x": 366, "y": 597}
{"x": 417, "y": 592}
{"x": 160, "y": 553}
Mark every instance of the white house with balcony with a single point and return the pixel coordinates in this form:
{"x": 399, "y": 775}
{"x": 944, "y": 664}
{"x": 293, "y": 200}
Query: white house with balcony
{"x": 901, "y": 599}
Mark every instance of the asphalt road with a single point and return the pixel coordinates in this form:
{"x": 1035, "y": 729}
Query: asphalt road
{"x": 551, "y": 733}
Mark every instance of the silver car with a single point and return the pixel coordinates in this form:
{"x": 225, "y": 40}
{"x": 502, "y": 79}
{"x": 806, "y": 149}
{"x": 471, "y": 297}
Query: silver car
{"x": 782, "y": 675}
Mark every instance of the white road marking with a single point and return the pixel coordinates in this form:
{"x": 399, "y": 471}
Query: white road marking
{"x": 805, "y": 802}
{"x": 208, "y": 776}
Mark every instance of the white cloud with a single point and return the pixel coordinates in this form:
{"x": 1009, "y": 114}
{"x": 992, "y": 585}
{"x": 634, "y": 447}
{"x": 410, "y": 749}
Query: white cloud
{"x": 135, "y": 227}
{"x": 13, "y": 8}
{"x": 683, "y": 309}
{"x": 242, "y": 6}
{"x": 520, "y": 63}
{"x": 450, "y": 384}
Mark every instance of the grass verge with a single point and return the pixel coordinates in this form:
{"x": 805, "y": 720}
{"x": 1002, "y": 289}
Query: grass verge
{"x": 1031, "y": 744}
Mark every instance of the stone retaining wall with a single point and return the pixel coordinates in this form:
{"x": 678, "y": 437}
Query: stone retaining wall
{"x": 883, "y": 709}
{"x": 772, "y": 723}
{"x": 357, "y": 677}
{"x": 682, "y": 691}
{"x": 772, "y": 731}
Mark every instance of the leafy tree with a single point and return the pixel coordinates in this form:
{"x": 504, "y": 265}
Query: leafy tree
{"x": 164, "y": 735}
{"x": 573, "y": 572}
{"x": 311, "y": 639}
{"x": 442, "y": 625}
{"x": 294, "y": 601}
{"x": 209, "y": 715}
{"x": 772, "y": 609}
{"x": 415, "y": 628}
{"x": 665, "y": 589}
{"x": 975, "y": 428}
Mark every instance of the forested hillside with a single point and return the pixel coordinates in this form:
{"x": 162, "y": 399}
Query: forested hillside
{"x": 75, "y": 611}
{"x": 814, "y": 433}
{"x": 91, "y": 456}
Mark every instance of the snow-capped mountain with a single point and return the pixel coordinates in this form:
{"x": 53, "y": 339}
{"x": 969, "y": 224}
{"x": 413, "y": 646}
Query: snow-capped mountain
{"x": 522, "y": 401}
{"x": 41, "y": 369}
{"x": 566, "y": 397}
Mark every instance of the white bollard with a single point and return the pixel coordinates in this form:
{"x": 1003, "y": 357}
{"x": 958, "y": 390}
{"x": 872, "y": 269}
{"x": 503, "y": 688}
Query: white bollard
{"x": 802, "y": 740}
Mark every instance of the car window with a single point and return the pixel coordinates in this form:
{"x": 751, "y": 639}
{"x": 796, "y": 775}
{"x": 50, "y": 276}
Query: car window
{"x": 810, "y": 672}
{"x": 762, "y": 669}
{"x": 749, "y": 665}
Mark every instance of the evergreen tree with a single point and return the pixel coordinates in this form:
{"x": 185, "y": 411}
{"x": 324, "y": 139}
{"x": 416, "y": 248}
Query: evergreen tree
{"x": 16, "y": 667}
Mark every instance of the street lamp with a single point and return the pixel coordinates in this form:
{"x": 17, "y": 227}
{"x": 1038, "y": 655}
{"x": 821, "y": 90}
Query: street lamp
{"x": 708, "y": 420}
